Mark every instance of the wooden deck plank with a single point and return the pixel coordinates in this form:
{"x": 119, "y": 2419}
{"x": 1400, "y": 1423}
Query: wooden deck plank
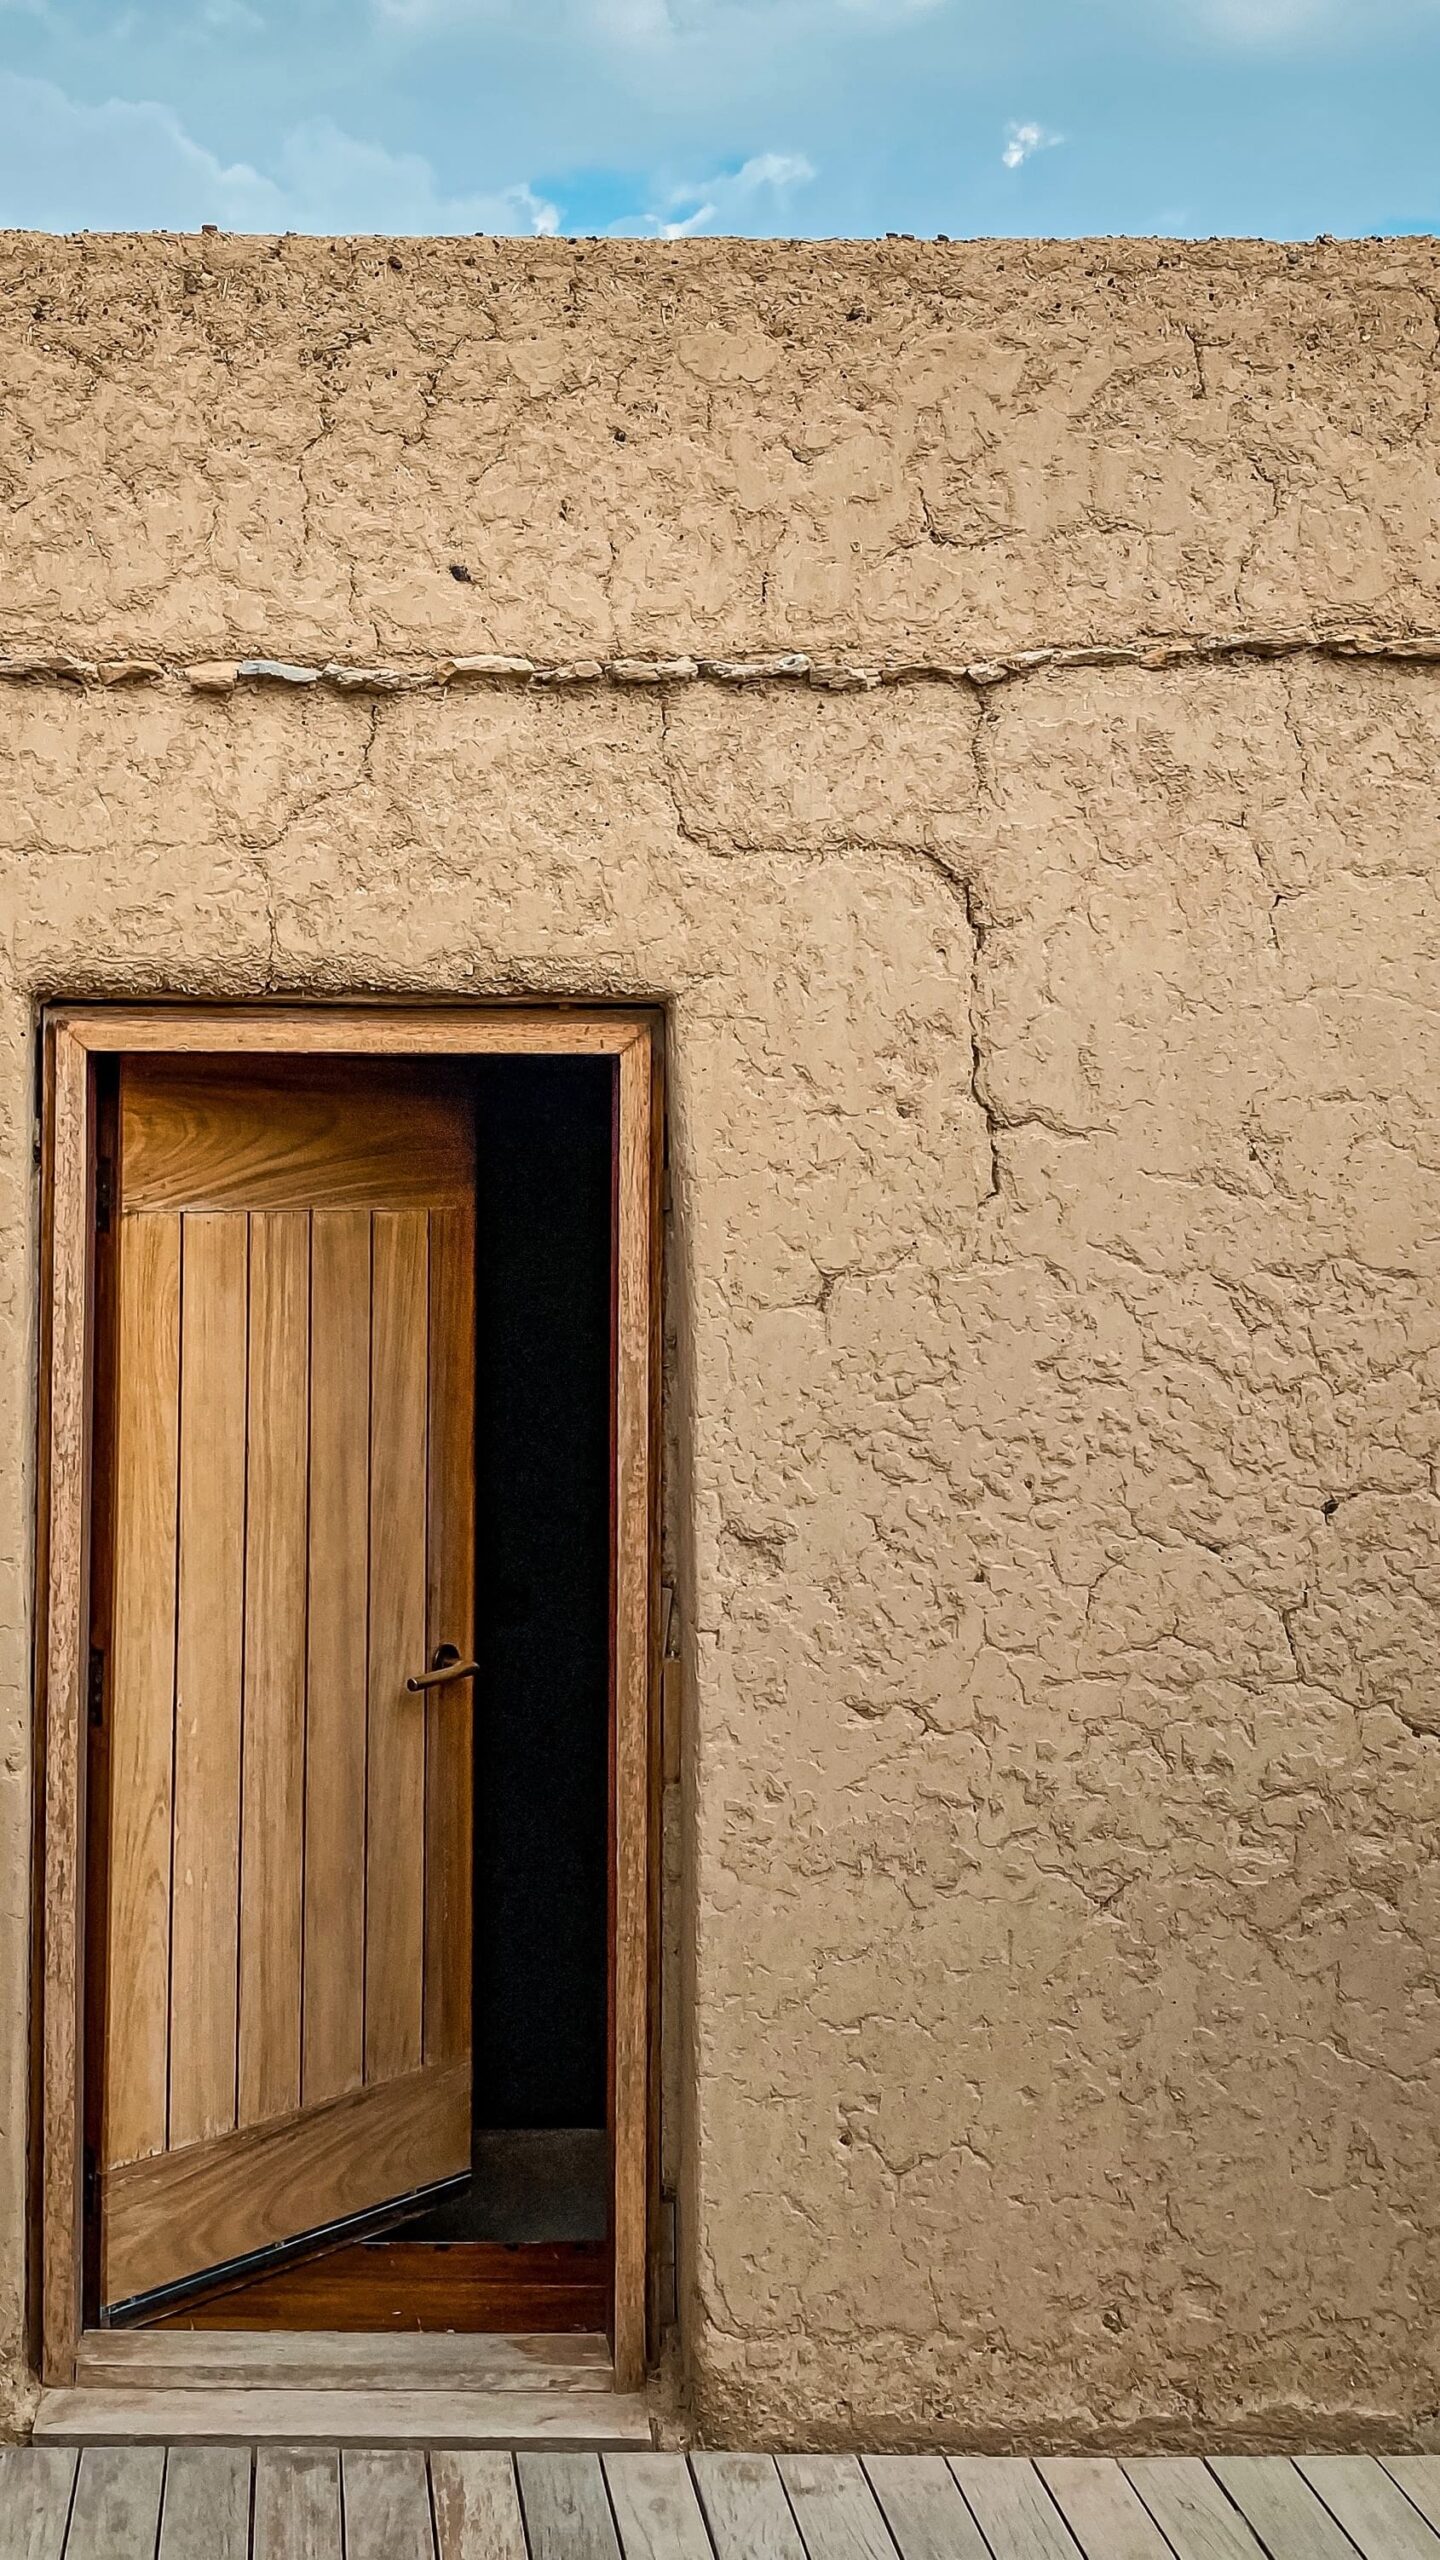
{"x": 1102, "y": 2510}
{"x": 116, "y": 2510}
{"x": 205, "y": 2512}
{"x": 1284, "y": 2510}
{"x": 477, "y": 2507}
{"x": 297, "y": 2505}
{"x": 610, "y": 2422}
{"x": 745, "y": 2507}
{"x": 657, "y": 2513}
{"x": 386, "y": 2499}
{"x": 1378, "y": 2517}
{"x": 1191, "y": 2508}
{"x": 1418, "y": 2474}
{"x": 1013, "y": 2508}
{"x": 923, "y": 2508}
{"x": 37, "y": 2483}
{"x": 833, "y": 2507}
{"x": 567, "y": 2508}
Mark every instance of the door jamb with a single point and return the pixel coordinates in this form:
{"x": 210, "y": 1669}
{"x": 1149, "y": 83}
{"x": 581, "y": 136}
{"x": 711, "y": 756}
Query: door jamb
{"x": 75, "y": 1039}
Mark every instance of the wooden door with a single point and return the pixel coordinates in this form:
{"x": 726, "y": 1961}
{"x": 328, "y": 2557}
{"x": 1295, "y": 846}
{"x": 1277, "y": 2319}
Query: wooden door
{"x": 286, "y": 1999}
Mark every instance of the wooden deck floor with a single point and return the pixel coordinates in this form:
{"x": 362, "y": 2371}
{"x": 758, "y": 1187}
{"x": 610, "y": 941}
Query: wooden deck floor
{"x": 192, "y": 2502}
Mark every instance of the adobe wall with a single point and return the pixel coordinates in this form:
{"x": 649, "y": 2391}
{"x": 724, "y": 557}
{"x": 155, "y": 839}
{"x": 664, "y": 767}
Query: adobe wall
{"x": 1056, "y": 1214}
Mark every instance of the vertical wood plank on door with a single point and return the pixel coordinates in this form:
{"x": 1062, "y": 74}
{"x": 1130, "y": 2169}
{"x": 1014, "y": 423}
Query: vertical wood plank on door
{"x": 272, "y": 1844}
{"x": 205, "y": 2514}
{"x": 36, "y": 2486}
{"x": 142, "y": 1688}
{"x": 477, "y": 2507}
{"x": 449, "y": 1713}
{"x": 209, "y": 1656}
{"x": 395, "y": 1793}
{"x": 297, "y": 2505}
{"x": 334, "y": 1968}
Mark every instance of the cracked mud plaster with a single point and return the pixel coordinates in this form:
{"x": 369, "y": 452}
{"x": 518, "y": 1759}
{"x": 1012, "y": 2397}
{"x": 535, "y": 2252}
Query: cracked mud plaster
{"x": 219, "y": 449}
{"x": 1056, "y": 1184}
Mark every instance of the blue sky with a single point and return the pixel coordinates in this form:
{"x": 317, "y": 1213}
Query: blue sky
{"x": 672, "y": 117}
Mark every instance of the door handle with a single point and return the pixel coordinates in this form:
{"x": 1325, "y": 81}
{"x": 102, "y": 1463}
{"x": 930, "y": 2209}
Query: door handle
{"x": 445, "y": 1666}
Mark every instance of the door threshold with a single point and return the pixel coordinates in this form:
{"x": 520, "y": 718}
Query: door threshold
{"x": 561, "y": 2421}
{"x": 339, "y": 2360}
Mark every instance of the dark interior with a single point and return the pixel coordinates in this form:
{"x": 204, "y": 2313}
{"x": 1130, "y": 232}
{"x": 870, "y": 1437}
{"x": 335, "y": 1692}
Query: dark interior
{"x": 543, "y": 1321}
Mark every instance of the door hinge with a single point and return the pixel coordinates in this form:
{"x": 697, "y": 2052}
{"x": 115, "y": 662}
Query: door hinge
{"x": 95, "y": 1685}
{"x": 91, "y": 2181}
{"x": 104, "y": 1194}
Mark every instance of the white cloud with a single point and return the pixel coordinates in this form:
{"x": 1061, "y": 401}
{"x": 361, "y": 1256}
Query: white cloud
{"x": 131, "y": 165}
{"x": 227, "y": 16}
{"x": 1022, "y": 141}
{"x": 1261, "y": 21}
{"x": 729, "y": 199}
{"x": 658, "y": 24}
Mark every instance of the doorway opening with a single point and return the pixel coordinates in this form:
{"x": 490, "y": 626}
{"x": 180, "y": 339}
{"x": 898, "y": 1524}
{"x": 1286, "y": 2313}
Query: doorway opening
{"x": 367, "y": 1633}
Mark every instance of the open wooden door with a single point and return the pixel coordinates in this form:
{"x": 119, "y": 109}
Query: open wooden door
{"x": 287, "y": 1824}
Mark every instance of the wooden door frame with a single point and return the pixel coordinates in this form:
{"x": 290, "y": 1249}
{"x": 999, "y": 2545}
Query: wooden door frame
{"x": 76, "y": 1039}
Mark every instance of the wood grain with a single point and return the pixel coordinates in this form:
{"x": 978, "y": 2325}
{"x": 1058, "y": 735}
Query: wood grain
{"x": 62, "y": 1644}
{"x": 165, "y": 2218}
{"x": 386, "y": 2498}
{"x": 1013, "y": 2509}
{"x": 1283, "y": 2509}
{"x": 837, "y": 2516}
{"x": 1103, "y": 2511}
{"x": 209, "y": 1657}
{"x": 1418, "y": 2474}
{"x": 116, "y": 2510}
{"x": 1378, "y": 2517}
{"x": 339, "y": 1136}
{"x": 396, "y": 1030}
{"x": 297, "y": 2505}
{"x": 567, "y": 2513}
{"x": 337, "y": 1654}
{"x": 395, "y": 1787}
{"x": 924, "y": 2510}
{"x": 635, "y": 1580}
{"x": 370, "y": 2420}
{"x": 449, "y": 1714}
{"x": 141, "y": 1686}
{"x": 477, "y": 2507}
{"x": 657, "y": 2513}
{"x": 205, "y": 2513}
{"x": 277, "y": 2359}
{"x": 393, "y": 2287}
{"x": 272, "y": 1839}
{"x": 37, "y": 2483}
{"x": 1186, "y": 2501}
{"x": 745, "y": 2507}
